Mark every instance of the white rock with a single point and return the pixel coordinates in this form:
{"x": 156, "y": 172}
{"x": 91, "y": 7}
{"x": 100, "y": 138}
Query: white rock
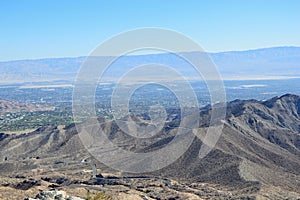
{"x": 54, "y": 195}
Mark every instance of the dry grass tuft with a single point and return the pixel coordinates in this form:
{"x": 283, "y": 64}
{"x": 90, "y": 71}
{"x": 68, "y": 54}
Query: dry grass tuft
{"x": 99, "y": 196}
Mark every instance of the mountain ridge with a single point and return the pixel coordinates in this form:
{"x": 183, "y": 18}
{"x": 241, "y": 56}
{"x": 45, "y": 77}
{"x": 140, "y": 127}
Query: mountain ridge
{"x": 258, "y": 150}
{"x": 219, "y": 52}
{"x": 265, "y": 62}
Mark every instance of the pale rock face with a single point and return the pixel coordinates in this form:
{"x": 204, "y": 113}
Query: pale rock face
{"x": 53, "y": 195}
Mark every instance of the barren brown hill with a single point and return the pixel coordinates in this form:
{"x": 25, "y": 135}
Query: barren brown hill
{"x": 257, "y": 156}
{"x": 9, "y": 106}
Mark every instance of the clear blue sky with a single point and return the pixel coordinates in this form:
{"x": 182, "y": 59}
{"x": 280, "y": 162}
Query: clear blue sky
{"x": 62, "y": 28}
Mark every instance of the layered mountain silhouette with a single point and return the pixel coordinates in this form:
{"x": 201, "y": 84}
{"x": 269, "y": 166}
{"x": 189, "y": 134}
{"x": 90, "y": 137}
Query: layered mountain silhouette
{"x": 259, "y": 148}
{"x": 266, "y": 62}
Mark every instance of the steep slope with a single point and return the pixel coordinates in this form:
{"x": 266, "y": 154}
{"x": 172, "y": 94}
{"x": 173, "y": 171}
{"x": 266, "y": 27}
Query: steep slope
{"x": 258, "y": 151}
{"x": 277, "y": 120}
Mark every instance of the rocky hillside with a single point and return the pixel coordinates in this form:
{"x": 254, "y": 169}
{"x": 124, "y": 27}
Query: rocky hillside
{"x": 257, "y": 156}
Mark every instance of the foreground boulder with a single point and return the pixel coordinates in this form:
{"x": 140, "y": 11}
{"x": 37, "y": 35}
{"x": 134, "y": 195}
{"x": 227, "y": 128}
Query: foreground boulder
{"x": 53, "y": 195}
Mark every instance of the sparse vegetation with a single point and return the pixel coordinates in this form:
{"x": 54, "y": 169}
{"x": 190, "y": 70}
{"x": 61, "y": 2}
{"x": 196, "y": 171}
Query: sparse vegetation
{"x": 98, "y": 196}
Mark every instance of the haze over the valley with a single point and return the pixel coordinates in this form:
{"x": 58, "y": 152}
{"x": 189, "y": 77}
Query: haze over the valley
{"x": 267, "y": 63}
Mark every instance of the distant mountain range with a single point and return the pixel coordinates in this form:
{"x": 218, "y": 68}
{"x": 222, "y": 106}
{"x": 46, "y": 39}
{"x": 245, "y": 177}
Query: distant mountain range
{"x": 260, "y": 63}
{"x": 258, "y": 154}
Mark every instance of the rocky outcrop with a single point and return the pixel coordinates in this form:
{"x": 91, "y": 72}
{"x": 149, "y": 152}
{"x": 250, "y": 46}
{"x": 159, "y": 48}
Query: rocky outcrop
{"x": 53, "y": 195}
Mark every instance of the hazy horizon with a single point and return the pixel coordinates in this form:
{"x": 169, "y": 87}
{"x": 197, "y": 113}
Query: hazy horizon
{"x": 155, "y": 53}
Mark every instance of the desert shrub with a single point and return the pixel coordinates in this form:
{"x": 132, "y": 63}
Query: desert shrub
{"x": 99, "y": 196}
